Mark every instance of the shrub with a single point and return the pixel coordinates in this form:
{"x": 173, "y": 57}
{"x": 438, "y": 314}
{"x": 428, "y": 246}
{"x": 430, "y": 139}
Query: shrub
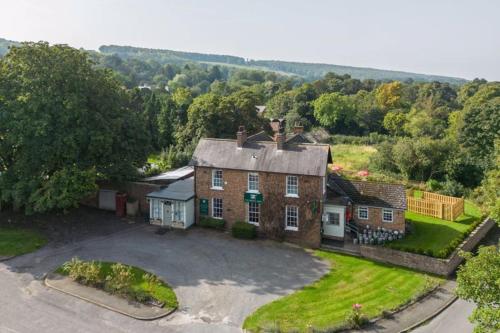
{"x": 84, "y": 272}
{"x": 371, "y": 139}
{"x": 120, "y": 279}
{"x": 355, "y": 318}
{"x": 433, "y": 185}
{"x": 208, "y": 222}
{"x": 244, "y": 230}
{"x": 151, "y": 280}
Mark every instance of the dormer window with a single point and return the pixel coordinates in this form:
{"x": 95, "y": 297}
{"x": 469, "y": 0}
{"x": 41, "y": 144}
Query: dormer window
{"x": 217, "y": 181}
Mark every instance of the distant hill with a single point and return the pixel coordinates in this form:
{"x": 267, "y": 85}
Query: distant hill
{"x": 309, "y": 71}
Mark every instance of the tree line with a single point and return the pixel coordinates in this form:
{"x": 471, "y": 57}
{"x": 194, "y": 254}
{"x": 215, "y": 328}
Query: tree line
{"x": 68, "y": 118}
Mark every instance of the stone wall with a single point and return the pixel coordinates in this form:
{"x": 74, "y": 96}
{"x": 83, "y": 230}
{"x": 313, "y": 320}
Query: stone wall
{"x": 419, "y": 262}
{"x": 272, "y": 214}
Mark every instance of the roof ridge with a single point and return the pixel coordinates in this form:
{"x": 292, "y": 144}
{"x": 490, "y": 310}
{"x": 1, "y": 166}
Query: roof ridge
{"x": 367, "y": 181}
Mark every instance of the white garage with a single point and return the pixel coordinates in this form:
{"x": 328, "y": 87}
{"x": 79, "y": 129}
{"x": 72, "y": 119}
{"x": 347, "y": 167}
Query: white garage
{"x": 173, "y": 206}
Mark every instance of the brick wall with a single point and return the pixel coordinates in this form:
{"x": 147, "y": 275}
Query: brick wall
{"x": 419, "y": 262}
{"x": 375, "y": 218}
{"x": 272, "y": 214}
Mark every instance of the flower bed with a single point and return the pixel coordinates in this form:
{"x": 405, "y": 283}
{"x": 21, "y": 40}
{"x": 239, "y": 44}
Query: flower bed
{"x": 125, "y": 281}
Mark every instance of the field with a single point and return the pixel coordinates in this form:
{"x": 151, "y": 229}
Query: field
{"x": 325, "y": 303}
{"x": 16, "y": 241}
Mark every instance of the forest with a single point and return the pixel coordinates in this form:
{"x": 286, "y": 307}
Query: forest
{"x": 69, "y": 117}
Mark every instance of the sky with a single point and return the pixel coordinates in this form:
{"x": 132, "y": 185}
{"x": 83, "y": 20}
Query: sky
{"x": 458, "y": 38}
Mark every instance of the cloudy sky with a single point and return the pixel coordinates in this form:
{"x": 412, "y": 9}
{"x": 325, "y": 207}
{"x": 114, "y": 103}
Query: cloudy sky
{"x": 456, "y": 37}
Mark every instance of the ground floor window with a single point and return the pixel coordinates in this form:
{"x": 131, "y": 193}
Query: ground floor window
{"x": 387, "y": 215}
{"x": 155, "y": 209}
{"x": 178, "y": 211}
{"x": 292, "y": 218}
{"x": 217, "y": 208}
{"x": 363, "y": 213}
{"x": 334, "y": 218}
{"x": 253, "y": 213}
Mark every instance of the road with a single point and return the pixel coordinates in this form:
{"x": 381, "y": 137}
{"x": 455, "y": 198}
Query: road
{"x": 218, "y": 280}
{"x": 452, "y": 320}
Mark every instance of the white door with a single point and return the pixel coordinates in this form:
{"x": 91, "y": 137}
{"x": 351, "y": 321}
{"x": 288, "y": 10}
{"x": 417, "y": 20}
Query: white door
{"x": 334, "y": 221}
{"x": 167, "y": 213}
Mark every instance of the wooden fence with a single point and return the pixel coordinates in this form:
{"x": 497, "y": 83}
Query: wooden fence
{"x": 436, "y": 205}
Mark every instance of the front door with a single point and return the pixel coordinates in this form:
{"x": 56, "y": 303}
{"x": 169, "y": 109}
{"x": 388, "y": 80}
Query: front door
{"x": 334, "y": 221}
{"x": 167, "y": 213}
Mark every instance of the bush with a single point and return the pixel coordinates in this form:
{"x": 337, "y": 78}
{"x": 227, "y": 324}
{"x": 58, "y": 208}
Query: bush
{"x": 355, "y": 319}
{"x": 244, "y": 230}
{"x": 452, "y": 188}
{"x": 120, "y": 279}
{"x": 208, "y": 222}
{"x": 433, "y": 185}
{"x": 84, "y": 272}
{"x": 371, "y": 139}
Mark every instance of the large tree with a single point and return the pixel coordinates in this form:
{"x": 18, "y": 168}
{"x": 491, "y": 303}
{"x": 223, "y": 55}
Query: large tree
{"x": 479, "y": 281}
{"x": 334, "y": 110}
{"x": 63, "y": 123}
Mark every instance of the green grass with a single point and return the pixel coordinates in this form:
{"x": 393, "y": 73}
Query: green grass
{"x": 162, "y": 292}
{"x": 434, "y": 235}
{"x": 354, "y": 158}
{"x": 325, "y": 303}
{"x": 16, "y": 241}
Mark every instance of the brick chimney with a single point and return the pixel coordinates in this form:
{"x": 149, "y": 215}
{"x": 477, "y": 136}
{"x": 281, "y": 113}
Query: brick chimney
{"x": 298, "y": 129}
{"x": 241, "y": 136}
{"x": 281, "y": 136}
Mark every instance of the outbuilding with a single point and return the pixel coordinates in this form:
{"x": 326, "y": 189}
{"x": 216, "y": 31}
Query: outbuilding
{"x": 173, "y": 206}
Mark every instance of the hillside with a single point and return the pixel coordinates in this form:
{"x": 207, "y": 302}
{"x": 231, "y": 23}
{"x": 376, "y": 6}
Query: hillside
{"x": 308, "y": 71}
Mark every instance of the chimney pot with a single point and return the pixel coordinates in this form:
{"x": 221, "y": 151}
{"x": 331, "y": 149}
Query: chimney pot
{"x": 241, "y": 136}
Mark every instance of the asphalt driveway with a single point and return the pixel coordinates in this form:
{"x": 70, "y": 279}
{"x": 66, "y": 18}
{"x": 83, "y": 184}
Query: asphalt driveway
{"x": 218, "y": 281}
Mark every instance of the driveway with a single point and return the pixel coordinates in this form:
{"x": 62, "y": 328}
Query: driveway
{"x": 218, "y": 281}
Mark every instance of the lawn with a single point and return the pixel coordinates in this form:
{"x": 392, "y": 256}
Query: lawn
{"x": 16, "y": 241}
{"x": 325, "y": 303}
{"x": 437, "y": 237}
{"x": 162, "y": 291}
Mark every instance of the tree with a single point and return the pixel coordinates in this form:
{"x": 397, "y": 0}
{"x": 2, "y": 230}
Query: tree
{"x": 388, "y": 95}
{"x": 394, "y": 122}
{"x": 63, "y": 123}
{"x": 333, "y": 110}
{"x": 478, "y": 280}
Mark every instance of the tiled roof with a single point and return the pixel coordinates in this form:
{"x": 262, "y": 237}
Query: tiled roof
{"x": 297, "y": 159}
{"x": 371, "y": 193}
{"x": 261, "y": 136}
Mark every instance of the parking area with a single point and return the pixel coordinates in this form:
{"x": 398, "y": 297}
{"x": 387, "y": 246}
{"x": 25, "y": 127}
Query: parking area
{"x": 218, "y": 281}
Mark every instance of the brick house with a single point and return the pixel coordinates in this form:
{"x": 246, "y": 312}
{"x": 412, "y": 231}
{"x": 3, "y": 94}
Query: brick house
{"x": 282, "y": 186}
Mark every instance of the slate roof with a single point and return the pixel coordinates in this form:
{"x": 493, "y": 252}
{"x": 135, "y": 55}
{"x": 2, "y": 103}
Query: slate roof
{"x": 172, "y": 175}
{"x": 370, "y": 193}
{"x": 261, "y": 136}
{"x": 298, "y": 138}
{"x": 181, "y": 190}
{"x": 297, "y": 159}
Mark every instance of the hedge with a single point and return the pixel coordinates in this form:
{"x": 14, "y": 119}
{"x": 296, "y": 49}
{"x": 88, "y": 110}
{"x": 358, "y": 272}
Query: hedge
{"x": 244, "y": 230}
{"x": 208, "y": 222}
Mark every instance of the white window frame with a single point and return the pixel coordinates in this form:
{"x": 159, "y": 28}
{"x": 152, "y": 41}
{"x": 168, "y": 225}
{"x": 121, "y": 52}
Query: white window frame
{"x": 330, "y": 221}
{"x": 258, "y": 213}
{"x": 359, "y": 213}
{"x": 214, "y": 209}
{"x": 287, "y": 210}
{"x": 156, "y": 209}
{"x": 389, "y": 211}
{"x": 178, "y": 211}
{"x": 296, "y": 186}
{"x": 254, "y": 182}
{"x": 217, "y": 185}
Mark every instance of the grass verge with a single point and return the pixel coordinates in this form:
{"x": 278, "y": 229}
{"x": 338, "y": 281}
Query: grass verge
{"x": 436, "y": 237}
{"x": 325, "y": 304}
{"x": 161, "y": 291}
{"x": 15, "y": 241}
